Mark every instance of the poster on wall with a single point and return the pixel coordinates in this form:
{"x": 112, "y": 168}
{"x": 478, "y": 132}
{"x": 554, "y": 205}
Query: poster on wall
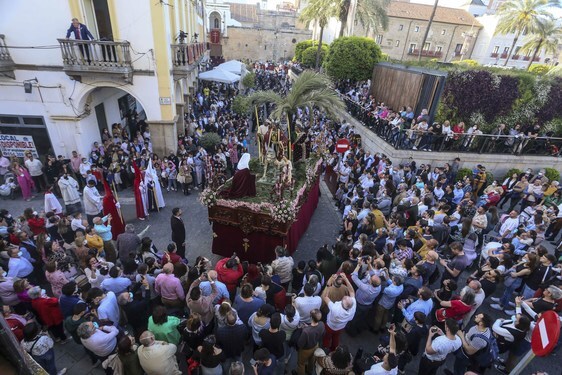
{"x": 17, "y": 145}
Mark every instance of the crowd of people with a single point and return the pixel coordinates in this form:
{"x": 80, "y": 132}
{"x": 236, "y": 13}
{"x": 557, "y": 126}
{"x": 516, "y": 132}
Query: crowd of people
{"x": 404, "y": 129}
{"x": 430, "y": 265}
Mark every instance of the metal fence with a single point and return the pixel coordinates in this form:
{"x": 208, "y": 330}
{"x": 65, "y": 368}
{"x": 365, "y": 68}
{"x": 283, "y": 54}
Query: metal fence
{"x": 407, "y": 139}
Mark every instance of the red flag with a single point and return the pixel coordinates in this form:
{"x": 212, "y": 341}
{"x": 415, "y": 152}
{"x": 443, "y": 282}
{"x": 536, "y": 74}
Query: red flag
{"x": 138, "y": 198}
{"x": 110, "y": 207}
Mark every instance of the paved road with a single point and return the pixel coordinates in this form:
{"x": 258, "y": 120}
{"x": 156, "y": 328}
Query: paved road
{"x": 323, "y": 229}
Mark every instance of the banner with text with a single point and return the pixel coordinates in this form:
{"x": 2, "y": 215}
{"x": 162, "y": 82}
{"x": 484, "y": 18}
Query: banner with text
{"x": 17, "y": 145}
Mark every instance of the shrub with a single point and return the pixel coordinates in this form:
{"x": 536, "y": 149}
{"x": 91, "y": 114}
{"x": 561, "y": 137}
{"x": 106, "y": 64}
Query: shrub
{"x": 539, "y": 69}
{"x": 353, "y": 58}
{"x": 249, "y": 80}
{"x": 241, "y": 105}
{"x": 552, "y": 174}
{"x": 309, "y": 56}
{"x": 467, "y": 63}
{"x": 210, "y": 141}
{"x": 463, "y": 172}
{"x": 300, "y": 47}
{"x": 510, "y": 172}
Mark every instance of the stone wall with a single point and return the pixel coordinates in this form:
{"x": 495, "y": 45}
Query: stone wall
{"x": 262, "y": 44}
{"x": 498, "y": 164}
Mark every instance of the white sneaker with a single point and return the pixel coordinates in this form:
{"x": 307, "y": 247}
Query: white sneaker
{"x": 414, "y": 148}
{"x": 512, "y": 304}
{"x": 510, "y": 312}
{"x": 495, "y": 299}
{"x": 496, "y": 306}
{"x": 61, "y": 372}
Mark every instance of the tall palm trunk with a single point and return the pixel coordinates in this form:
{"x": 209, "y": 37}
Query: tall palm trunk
{"x": 512, "y": 47}
{"x": 427, "y": 30}
{"x": 537, "y": 49}
{"x": 319, "y": 50}
{"x": 344, "y": 12}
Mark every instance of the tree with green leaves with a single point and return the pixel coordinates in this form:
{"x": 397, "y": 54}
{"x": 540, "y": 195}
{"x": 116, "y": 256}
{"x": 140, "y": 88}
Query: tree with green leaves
{"x": 318, "y": 11}
{"x": 352, "y": 57}
{"x": 547, "y": 37}
{"x": 309, "y": 90}
{"x": 311, "y": 58}
{"x": 371, "y": 14}
{"x": 518, "y": 16}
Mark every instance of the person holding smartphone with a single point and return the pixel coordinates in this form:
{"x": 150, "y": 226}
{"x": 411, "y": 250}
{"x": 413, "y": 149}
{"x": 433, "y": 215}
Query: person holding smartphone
{"x": 438, "y": 345}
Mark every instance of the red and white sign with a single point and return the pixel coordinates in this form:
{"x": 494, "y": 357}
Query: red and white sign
{"x": 546, "y": 333}
{"x": 342, "y": 146}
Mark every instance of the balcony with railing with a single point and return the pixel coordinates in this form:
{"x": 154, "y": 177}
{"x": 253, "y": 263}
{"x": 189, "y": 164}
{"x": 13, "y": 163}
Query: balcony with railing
{"x": 515, "y": 57}
{"x": 97, "y": 59}
{"x": 7, "y": 65}
{"x": 425, "y": 53}
{"x": 186, "y": 57}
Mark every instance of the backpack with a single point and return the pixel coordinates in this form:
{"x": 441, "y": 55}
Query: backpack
{"x": 486, "y": 356}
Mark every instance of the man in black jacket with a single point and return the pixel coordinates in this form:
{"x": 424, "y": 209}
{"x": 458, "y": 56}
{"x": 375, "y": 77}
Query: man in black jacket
{"x": 178, "y": 231}
{"x": 231, "y": 338}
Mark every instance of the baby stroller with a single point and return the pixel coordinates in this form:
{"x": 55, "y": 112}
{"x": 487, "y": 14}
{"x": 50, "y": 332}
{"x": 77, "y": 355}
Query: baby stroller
{"x": 9, "y": 186}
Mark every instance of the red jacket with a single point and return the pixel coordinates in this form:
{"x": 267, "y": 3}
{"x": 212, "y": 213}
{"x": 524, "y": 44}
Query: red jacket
{"x": 173, "y": 257}
{"x": 37, "y": 225}
{"x": 229, "y": 276}
{"x": 48, "y": 310}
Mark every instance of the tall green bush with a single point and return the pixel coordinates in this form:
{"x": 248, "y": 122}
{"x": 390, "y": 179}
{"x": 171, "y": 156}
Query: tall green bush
{"x": 353, "y": 58}
{"x": 308, "y": 58}
{"x": 300, "y": 47}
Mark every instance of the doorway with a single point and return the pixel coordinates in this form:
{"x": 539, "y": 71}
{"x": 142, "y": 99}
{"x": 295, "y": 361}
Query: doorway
{"x": 100, "y": 116}
{"x": 98, "y": 18}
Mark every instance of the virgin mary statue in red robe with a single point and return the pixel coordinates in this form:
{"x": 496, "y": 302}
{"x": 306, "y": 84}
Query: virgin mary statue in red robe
{"x": 243, "y": 182}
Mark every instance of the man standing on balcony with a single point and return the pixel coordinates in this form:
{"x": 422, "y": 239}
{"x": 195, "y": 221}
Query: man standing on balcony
{"x": 81, "y": 32}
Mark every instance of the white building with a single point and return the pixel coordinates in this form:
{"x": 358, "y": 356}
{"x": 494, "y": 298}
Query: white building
{"x": 81, "y": 87}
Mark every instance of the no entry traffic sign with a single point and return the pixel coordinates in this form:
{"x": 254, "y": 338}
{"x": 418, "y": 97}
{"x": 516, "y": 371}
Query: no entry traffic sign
{"x": 342, "y": 145}
{"x": 546, "y": 333}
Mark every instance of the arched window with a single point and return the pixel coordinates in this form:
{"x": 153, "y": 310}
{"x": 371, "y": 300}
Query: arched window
{"x": 217, "y": 23}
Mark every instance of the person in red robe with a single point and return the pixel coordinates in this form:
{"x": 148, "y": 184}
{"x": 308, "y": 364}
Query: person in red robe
{"x": 139, "y": 202}
{"x": 111, "y": 206}
{"x": 243, "y": 182}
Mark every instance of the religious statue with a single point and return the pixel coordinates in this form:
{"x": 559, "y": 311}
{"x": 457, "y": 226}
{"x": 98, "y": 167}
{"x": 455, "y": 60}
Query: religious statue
{"x": 243, "y": 182}
{"x": 285, "y": 168}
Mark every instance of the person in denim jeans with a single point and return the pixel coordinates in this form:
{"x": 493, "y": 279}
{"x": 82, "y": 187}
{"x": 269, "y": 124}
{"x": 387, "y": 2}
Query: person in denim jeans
{"x": 40, "y": 347}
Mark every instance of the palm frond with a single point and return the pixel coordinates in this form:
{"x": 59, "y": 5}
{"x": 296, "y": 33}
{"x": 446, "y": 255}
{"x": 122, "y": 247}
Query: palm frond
{"x": 372, "y": 14}
{"x": 263, "y": 97}
{"x": 516, "y": 16}
{"x": 547, "y": 37}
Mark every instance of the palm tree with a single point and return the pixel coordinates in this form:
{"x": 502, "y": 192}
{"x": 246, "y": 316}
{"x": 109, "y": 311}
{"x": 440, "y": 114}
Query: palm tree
{"x": 319, "y": 11}
{"x": 518, "y": 16}
{"x": 547, "y": 37}
{"x": 370, "y": 13}
{"x": 425, "y": 35}
{"x": 310, "y": 89}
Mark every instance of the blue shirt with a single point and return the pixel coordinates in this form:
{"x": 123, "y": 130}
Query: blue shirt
{"x": 116, "y": 285}
{"x": 418, "y": 305}
{"x": 104, "y": 231}
{"x": 389, "y": 295}
{"x": 205, "y": 287}
{"x": 67, "y": 303}
{"x": 366, "y": 292}
{"x": 19, "y": 267}
{"x": 246, "y": 309}
{"x": 25, "y": 254}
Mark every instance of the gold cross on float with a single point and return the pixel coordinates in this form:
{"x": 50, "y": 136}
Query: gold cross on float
{"x": 246, "y": 245}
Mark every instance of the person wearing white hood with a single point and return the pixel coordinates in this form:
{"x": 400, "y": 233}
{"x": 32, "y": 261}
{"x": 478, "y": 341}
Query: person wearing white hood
{"x": 70, "y": 195}
{"x": 243, "y": 182}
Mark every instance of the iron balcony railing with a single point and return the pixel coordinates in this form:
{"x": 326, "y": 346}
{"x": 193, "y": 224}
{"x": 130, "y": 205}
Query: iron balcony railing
{"x": 6, "y": 63}
{"x": 185, "y": 54}
{"x": 407, "y": 139}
